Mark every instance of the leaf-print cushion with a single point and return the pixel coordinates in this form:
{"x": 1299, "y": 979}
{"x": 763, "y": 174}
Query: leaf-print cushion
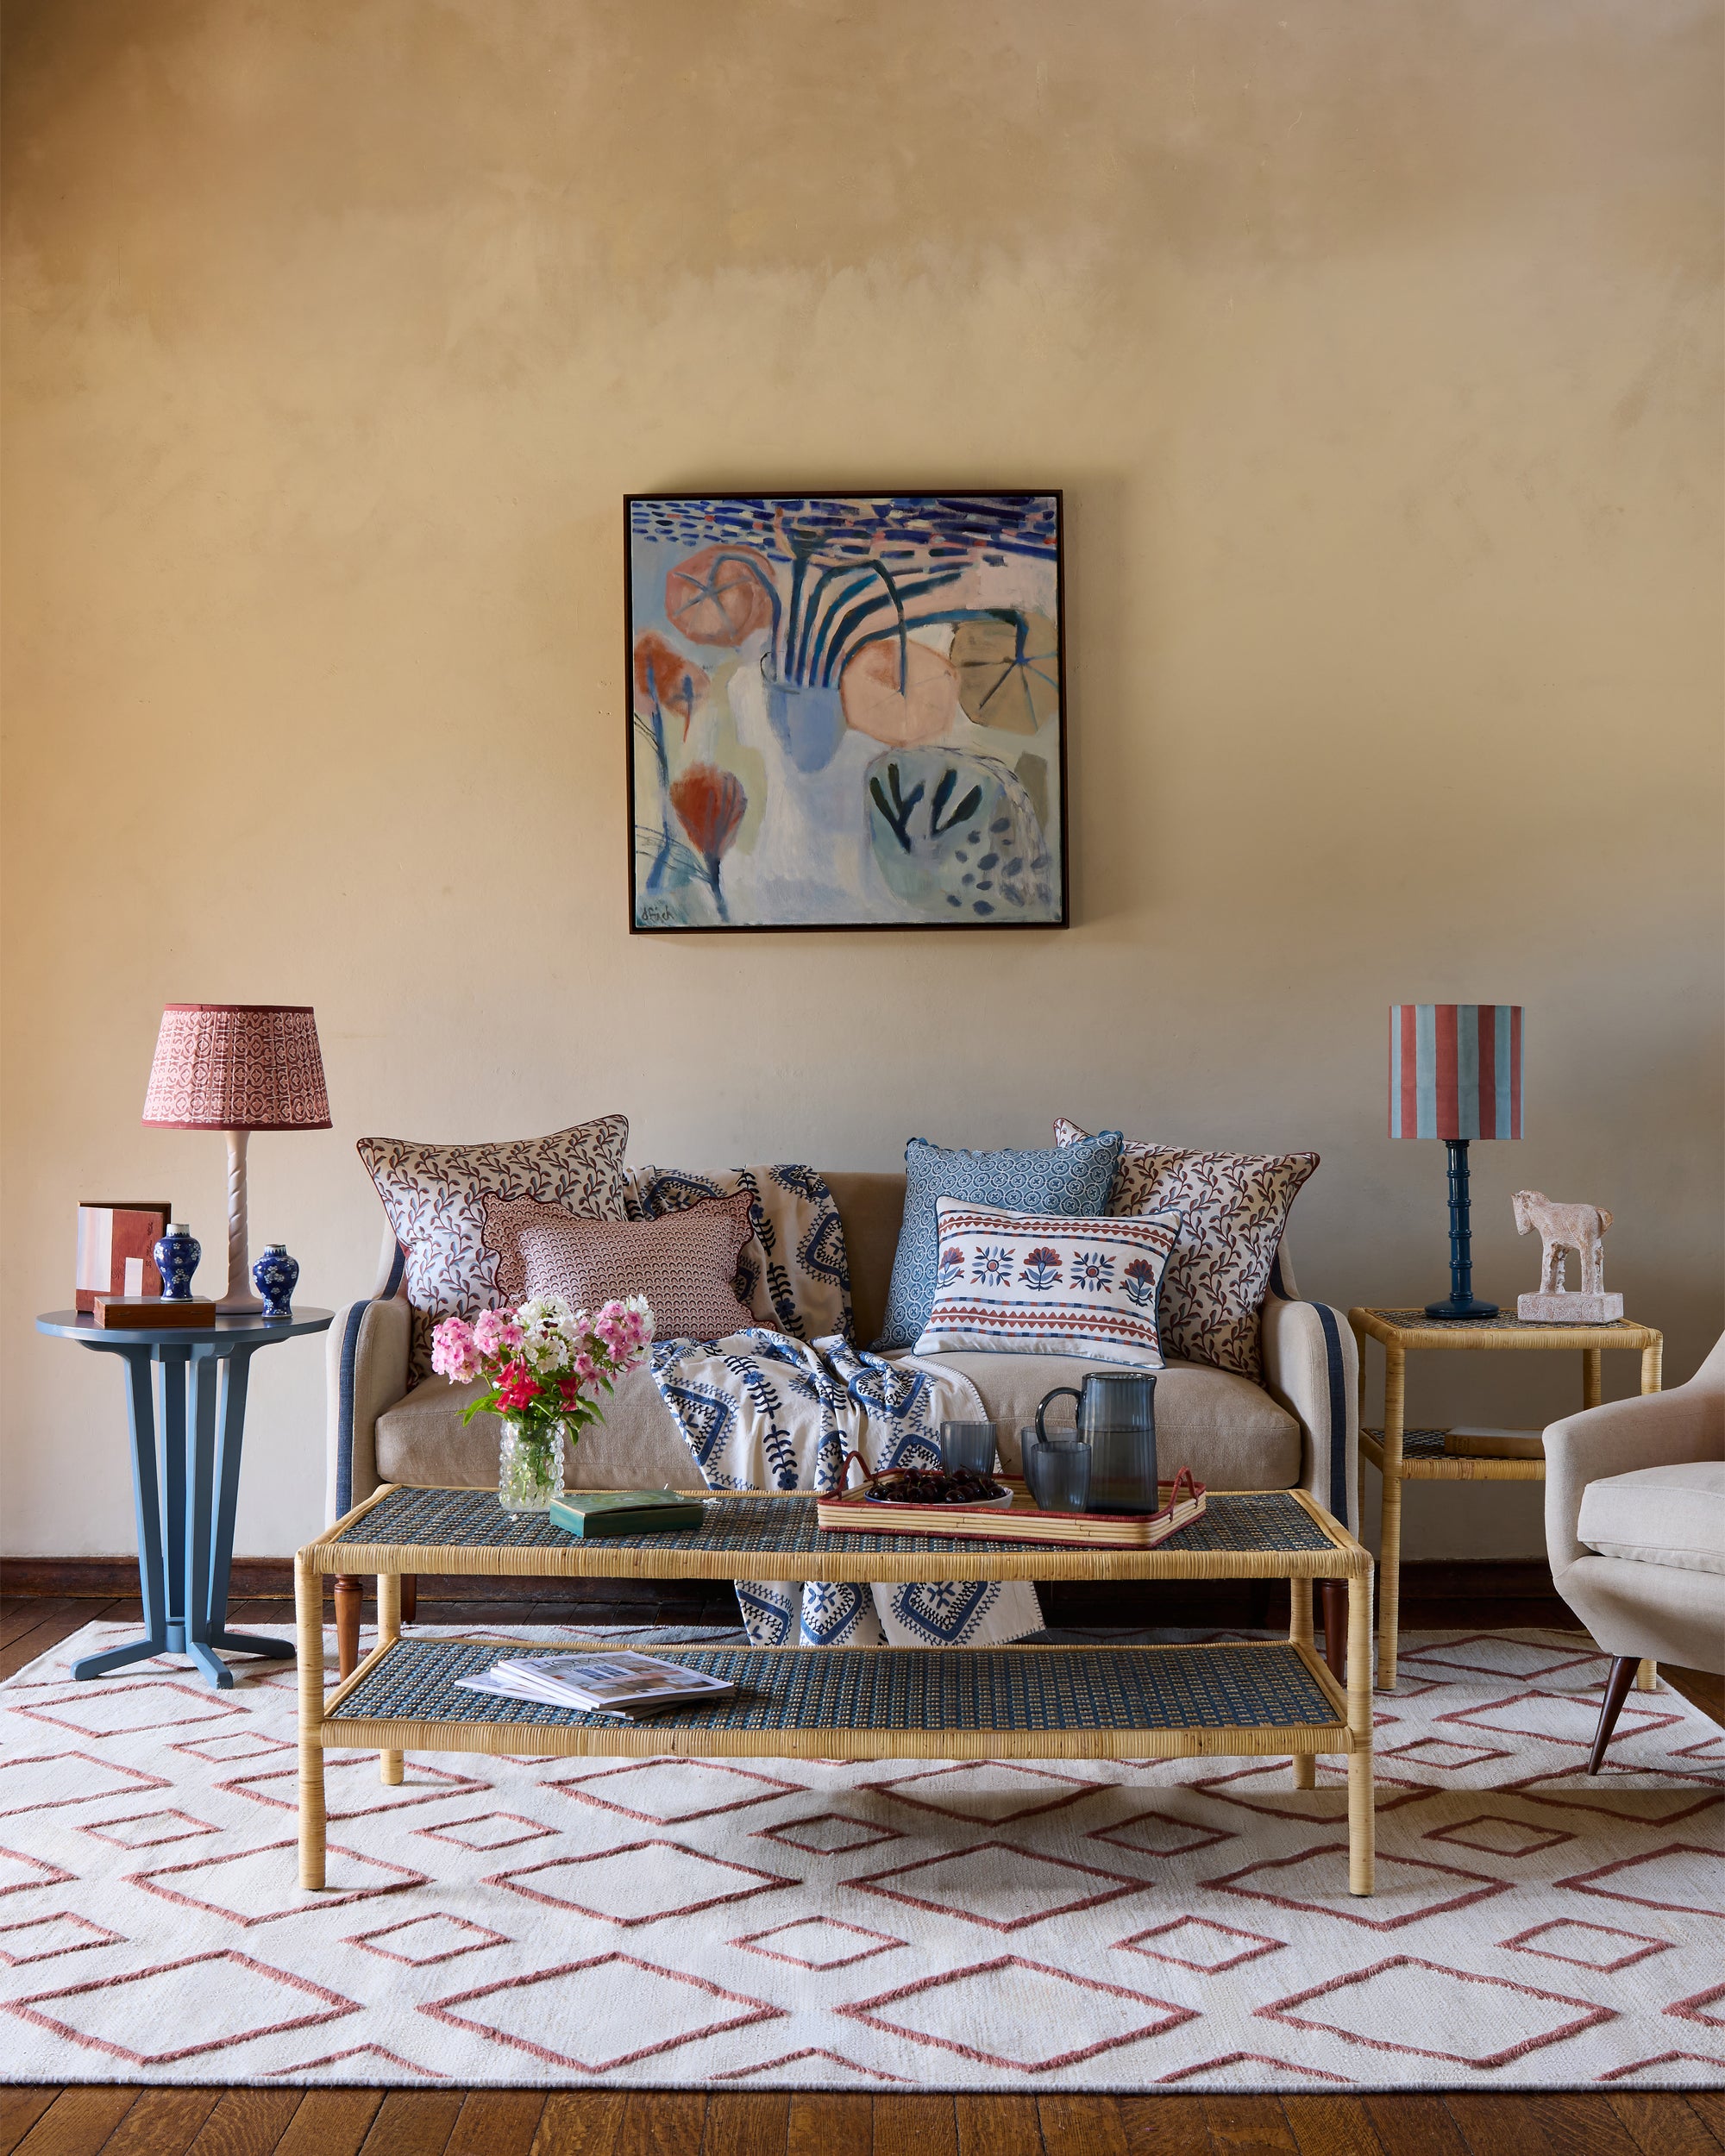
{"x": 1235, "y": 1207}
{"x": 1043, "y": 1284}
{"x": 434, "y": 1198}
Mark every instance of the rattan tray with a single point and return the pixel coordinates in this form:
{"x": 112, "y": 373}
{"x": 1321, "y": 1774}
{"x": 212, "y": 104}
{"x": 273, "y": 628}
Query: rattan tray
{"x": 855, "y": 1512}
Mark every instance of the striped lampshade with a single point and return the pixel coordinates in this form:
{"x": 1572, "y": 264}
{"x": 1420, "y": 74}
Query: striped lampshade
{"x": 1455, "y": 1070}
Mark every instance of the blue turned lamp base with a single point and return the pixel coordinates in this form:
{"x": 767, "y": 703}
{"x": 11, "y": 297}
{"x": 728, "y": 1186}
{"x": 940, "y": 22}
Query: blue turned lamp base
{"x": 1461, "y": 1302}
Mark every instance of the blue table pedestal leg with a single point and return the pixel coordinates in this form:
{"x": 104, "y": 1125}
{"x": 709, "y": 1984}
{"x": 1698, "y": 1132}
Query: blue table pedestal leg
{"x": 146, "y": 1505}
{"x": 200, "y": 1478}
{"x": 233, "y": 1429}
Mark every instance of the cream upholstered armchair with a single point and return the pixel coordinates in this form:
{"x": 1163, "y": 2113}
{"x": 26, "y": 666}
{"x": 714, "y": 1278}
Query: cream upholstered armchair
{"x": 1635, "y": 1529}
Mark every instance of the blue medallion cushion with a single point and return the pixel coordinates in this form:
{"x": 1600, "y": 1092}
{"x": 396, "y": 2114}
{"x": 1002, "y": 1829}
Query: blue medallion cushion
{"x": 1072, "y": 1181}
{"x": 792, "y": 1272}
{"x": 1235, "y": 1207}
{"x": 1030, "y": 1283}
{"x": 434, "y": 1198}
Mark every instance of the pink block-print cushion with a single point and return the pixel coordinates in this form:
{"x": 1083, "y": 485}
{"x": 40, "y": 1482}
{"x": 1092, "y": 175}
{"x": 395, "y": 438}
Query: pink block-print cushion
{"x": 685, "y": 1264}
{"x": 1234, "y": 1207}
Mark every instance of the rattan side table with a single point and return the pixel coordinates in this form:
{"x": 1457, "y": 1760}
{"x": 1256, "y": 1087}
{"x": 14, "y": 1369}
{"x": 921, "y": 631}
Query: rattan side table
{"x": 1402, "y": 1455}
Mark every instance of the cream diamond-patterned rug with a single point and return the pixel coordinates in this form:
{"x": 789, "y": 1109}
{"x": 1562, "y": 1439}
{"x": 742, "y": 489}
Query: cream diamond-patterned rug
{"x": 772, "y": 1924}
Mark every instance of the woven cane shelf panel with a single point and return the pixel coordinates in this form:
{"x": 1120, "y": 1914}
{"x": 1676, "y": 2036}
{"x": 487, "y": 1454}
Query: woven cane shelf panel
{"x": 1507, "y": 1330}
{"x": 749, "y": 1537}
{"x": 1425, "y": 1460}
{"x": 1059, "y": 1692}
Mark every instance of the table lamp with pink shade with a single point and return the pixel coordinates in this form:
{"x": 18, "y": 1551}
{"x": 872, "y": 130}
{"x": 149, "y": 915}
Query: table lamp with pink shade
{"x": 237, "y": 1068}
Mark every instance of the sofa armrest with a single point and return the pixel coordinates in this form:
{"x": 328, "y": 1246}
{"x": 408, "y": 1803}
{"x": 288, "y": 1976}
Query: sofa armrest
{"x": 366, "y": 1357}
{"x": 1656, "y": 1430}
{"x": 1311, "y": 1364}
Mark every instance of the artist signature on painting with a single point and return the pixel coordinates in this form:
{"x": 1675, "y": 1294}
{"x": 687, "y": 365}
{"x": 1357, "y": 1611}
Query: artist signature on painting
{"x": 656, "y": 913}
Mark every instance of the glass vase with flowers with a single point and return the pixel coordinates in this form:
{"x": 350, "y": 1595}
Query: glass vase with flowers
{"x": 546, "y": 1367}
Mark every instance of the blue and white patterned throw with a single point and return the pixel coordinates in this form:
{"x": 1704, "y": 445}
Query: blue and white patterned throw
{"x": 760, "y": 1411}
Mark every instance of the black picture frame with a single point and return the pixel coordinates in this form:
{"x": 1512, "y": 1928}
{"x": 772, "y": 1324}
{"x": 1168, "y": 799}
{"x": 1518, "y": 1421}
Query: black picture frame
{"x": 698, "y": 514}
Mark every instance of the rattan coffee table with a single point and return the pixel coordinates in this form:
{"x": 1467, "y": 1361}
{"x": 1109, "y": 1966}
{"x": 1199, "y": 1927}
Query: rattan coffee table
{"x": 1228, "y": 1698}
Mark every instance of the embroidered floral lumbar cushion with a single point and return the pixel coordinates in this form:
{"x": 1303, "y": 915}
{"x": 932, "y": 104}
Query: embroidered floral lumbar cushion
{"x": 1042, "y": 1284}
{"x": 794, "y": 1272}
{"x": 685, "y": 1264}
{"x": 1072, "y": 1181}
{"x": 434, "y": 1198}
{"x": 1235, "y": 1208}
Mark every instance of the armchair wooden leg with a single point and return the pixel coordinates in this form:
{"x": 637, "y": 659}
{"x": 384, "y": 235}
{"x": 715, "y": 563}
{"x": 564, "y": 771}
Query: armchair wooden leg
{"x": 347, "y": 1623}
{"x": 1335, "y": 1627}
{"x": 410, "y": 1597}
{"x": 1616, "y": 1691}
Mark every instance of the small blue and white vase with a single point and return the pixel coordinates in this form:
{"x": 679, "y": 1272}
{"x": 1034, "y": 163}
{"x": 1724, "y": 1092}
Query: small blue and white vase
{"x": 275, "y": 1277}
{"x": 176, "y": 1257}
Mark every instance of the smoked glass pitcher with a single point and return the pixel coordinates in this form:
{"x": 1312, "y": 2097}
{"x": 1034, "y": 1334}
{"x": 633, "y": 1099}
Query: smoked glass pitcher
{"x": 1117, "y": 1420}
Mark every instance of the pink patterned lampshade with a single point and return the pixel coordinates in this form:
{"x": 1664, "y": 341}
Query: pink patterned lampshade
{"x": 238, "y": 1067}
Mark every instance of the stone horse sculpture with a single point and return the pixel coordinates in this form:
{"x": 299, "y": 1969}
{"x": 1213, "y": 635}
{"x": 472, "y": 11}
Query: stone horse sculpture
{"x": 1563, "y": 1228}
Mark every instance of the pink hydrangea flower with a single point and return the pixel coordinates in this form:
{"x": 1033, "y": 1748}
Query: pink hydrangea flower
{"x": 454, "y": 1354}
{"x": 488, "y": 1331}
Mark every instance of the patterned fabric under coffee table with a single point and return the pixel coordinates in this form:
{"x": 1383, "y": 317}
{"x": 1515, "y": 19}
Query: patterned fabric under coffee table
{"x": 1016, "y": 1703}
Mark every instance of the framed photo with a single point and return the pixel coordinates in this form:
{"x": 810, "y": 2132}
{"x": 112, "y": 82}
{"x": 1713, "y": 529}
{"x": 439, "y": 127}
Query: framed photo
{"x": 848, "y": 711}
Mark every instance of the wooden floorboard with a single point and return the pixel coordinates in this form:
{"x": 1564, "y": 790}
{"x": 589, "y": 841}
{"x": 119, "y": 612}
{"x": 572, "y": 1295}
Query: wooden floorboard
{"x": 260, "y": 2121}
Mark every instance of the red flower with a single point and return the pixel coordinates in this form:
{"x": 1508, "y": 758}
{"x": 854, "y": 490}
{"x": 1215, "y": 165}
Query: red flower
{"x": 710, "y": 803}
{"x": 516, "y": 1388}
{"x": 570, "y": 1392}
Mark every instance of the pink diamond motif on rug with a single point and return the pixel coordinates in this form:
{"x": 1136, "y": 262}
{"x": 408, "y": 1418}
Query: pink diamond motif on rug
{"x": 125, "y": 1710}
{"x": 795, "y": 2058}
{"x": 60, "y": 1778}
{"x": 1702, "y": 2008}
{"x": 818, "y": 1942}
{"x": 1448, "y": 1754}
{"x": 642, "y": 1789}
{"x": 1586, "y": 1945}
{"x": 354, "y": 1791}
{"x": 1485, "y": 1654}
{"x": 998, "y": 1884}
{"x": 1154, "y": 1834}
{"x": 487, "y": 1830}
{"x": 1011, "y": 2013}
{"x": 827, "y": 1833}
{"x": 1681, "y": 1878}
{"x": 1654, "y": 1796}
{"x": 986, "y": 1792}
{"x": 1263, "y": 1787}
{"x": 1200, "y": 1944}
{"x": 148, "y": 1830}
{"x": 47, "y": 1937}
{"x": 639, "y": 1882}
{"x": 1408, "y": 1888}
{"x": 1498, "y": 1835}
{"x": 422, "y": 1940}
{"x": 231, "y": 1747}
{"x": 572, "y": 2016}
{"x": 261, "y": 1885}
{"x": 356, "y": 2057}
{"x": 1487, "y": 2020}
{"x": 226, "y": 1998}
{"x": 18, "y": 1873}
{"x": 1247, "y": 2069}
{"x": 1557, "y": 1718}
{"x": 1713, "y": 2068}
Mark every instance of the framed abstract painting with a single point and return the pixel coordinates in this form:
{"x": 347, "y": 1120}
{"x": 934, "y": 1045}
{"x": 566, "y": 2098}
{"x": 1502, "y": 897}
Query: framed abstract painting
{"x": 848, "y": 711}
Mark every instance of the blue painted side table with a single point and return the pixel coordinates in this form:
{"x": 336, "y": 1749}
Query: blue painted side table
{"x": 190, "y": 1506}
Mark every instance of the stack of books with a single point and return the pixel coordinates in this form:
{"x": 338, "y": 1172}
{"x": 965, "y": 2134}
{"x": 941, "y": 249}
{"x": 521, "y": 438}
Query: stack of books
{"x": 589, "y": 1512}
{"x": 631, "y": 1685}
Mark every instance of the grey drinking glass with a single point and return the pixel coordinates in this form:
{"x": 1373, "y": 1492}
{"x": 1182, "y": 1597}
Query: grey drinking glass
{"x": 1059, "y": 1475}
{"x": 967, "y": 1447}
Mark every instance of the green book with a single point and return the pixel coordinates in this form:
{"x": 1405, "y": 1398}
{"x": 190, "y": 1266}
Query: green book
{"x": 588, "y": 1513}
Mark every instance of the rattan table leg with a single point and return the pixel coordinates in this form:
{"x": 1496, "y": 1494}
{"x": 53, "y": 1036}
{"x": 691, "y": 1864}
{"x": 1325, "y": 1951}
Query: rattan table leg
{"x": 1646, "y": 1677}
{"x": 308, "y": 1610}
{"x": 1300, "y": 1632}
{"x": 1592, "y": 1376}
{"x": 390, "y": 1763}
{"x": 1653, "y": 1364}
{"x": 1390, "y": 1560}
{"x": 1362, "y": 1818}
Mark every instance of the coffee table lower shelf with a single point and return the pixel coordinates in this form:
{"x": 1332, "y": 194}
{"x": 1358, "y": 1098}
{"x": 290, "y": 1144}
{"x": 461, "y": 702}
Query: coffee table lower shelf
{"x": 1231, "y": 1698}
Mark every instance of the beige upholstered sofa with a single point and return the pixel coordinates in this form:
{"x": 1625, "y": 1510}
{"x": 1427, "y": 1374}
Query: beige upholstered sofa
{"x": 1299, "y": 1429}
{"x": 1635, "y": 1529}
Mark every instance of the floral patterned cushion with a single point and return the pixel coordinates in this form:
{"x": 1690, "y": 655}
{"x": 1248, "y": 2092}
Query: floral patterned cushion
{"x": 1043, "y": 1284}
{"x": 1071, "y": 1180}
{"x": 792, "y": 1272}
{"x": 685, "y": 1264}
{"x": 1235, "y": 1207}
{"x": 434, "y": 1198}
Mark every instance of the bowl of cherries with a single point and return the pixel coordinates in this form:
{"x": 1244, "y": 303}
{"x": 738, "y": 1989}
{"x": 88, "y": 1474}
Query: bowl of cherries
{"x": 933, "y": 1486}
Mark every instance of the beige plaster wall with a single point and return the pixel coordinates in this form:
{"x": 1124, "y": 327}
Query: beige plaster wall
{"x": 1376, "y": 348}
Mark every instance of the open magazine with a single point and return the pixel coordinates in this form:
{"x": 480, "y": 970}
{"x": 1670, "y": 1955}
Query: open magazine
{"x": 631, "y": 1684}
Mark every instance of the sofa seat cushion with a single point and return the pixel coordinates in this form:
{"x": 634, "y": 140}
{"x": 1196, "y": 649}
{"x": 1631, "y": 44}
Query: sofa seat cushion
{"x": 423, "y": 1440}
{"x": 1229, "y": 1431}
{"x": 1659, "y": 1515}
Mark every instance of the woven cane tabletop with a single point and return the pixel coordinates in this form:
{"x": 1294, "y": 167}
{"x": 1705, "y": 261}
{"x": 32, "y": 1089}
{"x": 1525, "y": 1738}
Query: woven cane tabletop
{"x": 1398, "y": 1327}
{"x": 1259, "y": 1533}
{"x": 1058, "y": 1692}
